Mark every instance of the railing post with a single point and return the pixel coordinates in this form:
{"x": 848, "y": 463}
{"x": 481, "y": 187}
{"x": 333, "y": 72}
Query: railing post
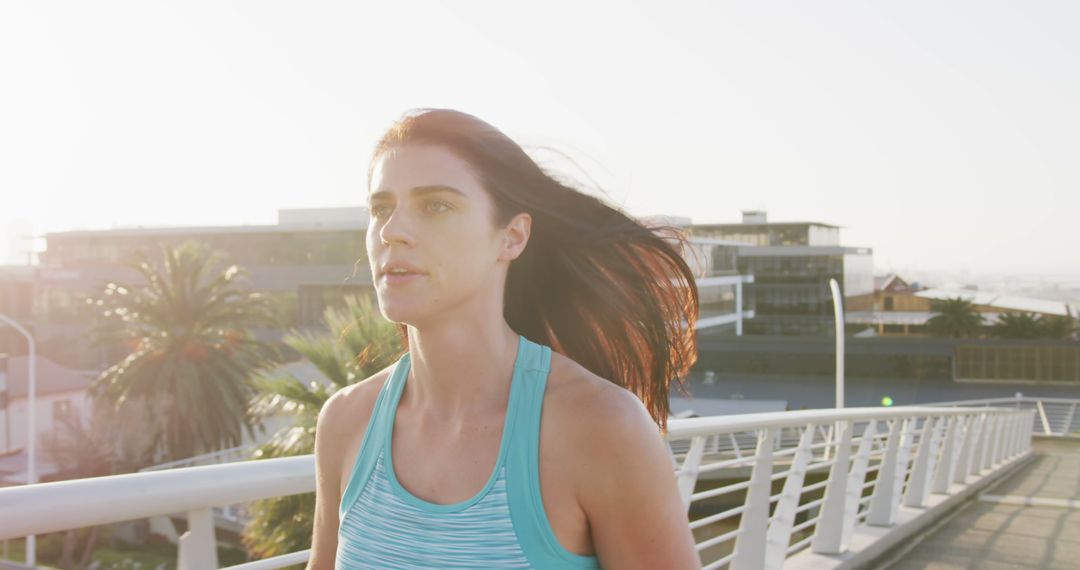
{"x": 1001, "y": 425}
{"x": 890, "y": 483}
{"x": 918, "y": 489}
{"x": 1005, "y": 449}
{"x": 1067, "y": 428}
{"x": 1006, "y": 436}
{"x": 1029, "y": 434}
{"x": 779, "y": 534}
{"x": 754, "y": 523}
{"x": 971, "y": 443}
{"x": 197, "y": 549}
{"x": 950, "y": 454}
{"x": 1025, "y": 430}
{"x": 688, "y": 472}
{"x": 857, "y": 477}
{"x": 987, "y": 441}
{"x": 829, "y": 536}
{"x": 1042, "y": 416}
{"x": 1010, "y": 447}
{"x": 1020, "y": 430}
{"x": 1018, "y": 441}
{"x": 735, "y": 445}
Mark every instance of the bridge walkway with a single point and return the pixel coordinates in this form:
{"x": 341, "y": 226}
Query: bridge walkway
{"x": 1029, "y": 520}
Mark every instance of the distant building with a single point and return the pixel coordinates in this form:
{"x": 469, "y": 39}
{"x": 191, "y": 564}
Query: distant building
{"x": 60, "y": 394}
{"x": 791, "y": 264}
{"x": 309, "y": 260}
{"x": 17, "y": 302}
{"x": 896, "y": 308}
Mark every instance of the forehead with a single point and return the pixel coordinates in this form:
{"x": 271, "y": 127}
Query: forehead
{"x": 412, "y": 166}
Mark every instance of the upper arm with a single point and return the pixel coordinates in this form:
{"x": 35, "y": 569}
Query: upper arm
{"x": 342, "y": 422}
{"x": 628, "y": 489}
{"x": 328, "y": 459}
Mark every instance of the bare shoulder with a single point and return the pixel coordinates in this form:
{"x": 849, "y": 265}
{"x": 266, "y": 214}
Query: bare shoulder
{"x": 343, "y": 420}
{"x": 338, "y": 432}
{"x": 352, "y": 404}
{"x": 609, "y": 449}
{"x": 593, "y": 411}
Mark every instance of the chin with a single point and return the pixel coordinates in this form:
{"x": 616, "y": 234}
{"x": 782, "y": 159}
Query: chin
{"x": 402, "y": 313}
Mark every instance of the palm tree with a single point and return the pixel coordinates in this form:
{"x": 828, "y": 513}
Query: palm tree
{"x": 188, "y": 327}
{"x": 1018, "y": 325}
{"x": 955, "y": 318}
{"x": 358, "y": 343}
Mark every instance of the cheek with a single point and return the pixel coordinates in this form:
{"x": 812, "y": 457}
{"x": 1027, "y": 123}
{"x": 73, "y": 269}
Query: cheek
{"x": 371, "y": 243}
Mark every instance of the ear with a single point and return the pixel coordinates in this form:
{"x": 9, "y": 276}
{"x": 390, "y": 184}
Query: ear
{"x": 515, "y": 236}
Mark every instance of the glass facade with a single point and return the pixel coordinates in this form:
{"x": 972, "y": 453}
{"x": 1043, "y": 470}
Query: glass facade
{"x": 711, "y": 259}
{"x": 791, "y": 293}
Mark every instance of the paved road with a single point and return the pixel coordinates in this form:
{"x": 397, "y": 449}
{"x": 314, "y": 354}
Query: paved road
{"x": 991, "y": 534}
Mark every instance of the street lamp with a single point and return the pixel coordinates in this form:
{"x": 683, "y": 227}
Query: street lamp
{"x": 31, "y": 469}
{"x": 838, "y": 313}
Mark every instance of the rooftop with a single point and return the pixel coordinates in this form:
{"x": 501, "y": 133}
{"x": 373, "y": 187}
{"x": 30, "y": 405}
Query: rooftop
{"x": 1007, "y": 302}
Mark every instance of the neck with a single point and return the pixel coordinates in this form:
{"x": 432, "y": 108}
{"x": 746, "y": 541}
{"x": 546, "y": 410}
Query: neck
{"x": 458, "y": 370}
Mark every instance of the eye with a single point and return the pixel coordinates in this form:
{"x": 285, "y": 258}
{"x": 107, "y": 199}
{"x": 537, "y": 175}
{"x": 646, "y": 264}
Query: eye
{"x": 379, "y": 210}
{"x": 438, "y": 206}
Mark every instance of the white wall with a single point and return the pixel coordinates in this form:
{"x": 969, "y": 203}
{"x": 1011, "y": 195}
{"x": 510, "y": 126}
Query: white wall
{"x": 15, "y": 417}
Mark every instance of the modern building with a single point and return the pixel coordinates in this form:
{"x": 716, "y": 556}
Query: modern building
{"x": 791, "y": 264}
{"x": 16, "y": 302}
{"x": 309, "y": 260}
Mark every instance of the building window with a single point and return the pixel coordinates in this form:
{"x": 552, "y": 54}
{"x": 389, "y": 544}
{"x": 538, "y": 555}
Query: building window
{"x": 888, "y": 303}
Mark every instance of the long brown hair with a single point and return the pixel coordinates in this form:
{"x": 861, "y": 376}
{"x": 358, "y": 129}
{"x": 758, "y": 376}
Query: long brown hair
{"x": 593, "y": 283}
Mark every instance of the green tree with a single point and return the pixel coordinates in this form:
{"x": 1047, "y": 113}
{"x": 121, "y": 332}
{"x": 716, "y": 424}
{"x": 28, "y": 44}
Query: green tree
{"x": 955, "y": 318}
{"x": 1018, "y": 325}
{"x": 189, "y": 329}
{"x": 1061, "y": 328}
{"x": 358, "y": 343}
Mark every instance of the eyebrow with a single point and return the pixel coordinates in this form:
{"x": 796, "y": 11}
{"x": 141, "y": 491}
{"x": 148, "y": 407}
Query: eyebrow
{"x": 417, "y": 192}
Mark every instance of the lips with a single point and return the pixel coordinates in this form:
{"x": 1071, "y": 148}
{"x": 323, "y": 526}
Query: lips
{"x": 400, "y": 272}
{"x": 399, "y": 268}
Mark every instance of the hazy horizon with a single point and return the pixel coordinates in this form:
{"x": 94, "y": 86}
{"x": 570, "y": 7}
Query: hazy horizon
{"x": 943, "y": 136}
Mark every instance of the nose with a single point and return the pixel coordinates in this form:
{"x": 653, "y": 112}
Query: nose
{"x": 397, "y": 229}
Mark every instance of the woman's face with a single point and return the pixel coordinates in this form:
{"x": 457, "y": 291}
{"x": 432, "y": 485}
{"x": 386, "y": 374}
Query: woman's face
{"x": 431, "y": 240}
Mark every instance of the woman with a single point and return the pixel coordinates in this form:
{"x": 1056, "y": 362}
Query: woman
{"x": 482, "y": 447}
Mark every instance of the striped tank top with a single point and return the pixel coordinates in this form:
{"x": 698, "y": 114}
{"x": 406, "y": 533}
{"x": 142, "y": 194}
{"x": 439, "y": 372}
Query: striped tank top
{"x": 383, "y": 525}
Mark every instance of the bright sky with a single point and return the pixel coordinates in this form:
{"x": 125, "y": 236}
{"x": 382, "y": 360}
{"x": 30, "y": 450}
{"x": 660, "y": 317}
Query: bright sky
{"x": 945, "y": 135}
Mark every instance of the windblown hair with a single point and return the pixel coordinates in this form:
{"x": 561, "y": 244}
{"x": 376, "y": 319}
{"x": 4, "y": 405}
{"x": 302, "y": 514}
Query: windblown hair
{"x": 593, "y": 283}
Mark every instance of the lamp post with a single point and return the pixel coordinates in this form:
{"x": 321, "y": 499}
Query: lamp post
{"x": 838, "y": 313}
{"x": 31, "y": 391}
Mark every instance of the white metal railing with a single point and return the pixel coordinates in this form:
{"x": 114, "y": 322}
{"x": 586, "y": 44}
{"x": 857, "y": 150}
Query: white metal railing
{"x": 815, "y": 476}
{"x": 1054, "y": 417}
{"x": 837, "y": 470}
{"x": 237, "y": 514}
{"x": 63, "y": 505}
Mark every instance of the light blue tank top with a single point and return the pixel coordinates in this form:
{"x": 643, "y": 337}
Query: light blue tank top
{"x": 383, "y": 525}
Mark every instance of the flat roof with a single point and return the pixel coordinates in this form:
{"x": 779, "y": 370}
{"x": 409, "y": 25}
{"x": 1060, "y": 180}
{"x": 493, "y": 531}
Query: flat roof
{"x": 358, "y": 225}
{"x": 781, "y": 250}
{"x": 1008, "y": 302}
{"x": 764, "y": 224}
